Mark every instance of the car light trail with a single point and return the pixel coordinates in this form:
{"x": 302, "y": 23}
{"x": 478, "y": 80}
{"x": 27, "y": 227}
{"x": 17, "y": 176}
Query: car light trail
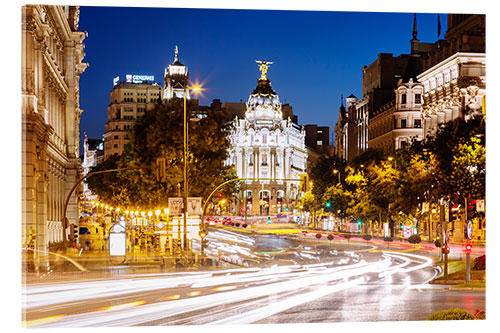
{"x": 269, "y": 310}
{"x": 156, "y": 311}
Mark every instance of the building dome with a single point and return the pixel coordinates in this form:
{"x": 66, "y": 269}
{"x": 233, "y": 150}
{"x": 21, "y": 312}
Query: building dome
{"x": 264, "y": 104}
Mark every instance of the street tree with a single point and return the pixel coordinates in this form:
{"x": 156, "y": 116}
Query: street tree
{"x": 159, "y": 133}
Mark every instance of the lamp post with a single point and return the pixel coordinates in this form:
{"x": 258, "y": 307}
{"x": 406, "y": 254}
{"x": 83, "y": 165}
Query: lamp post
{"x": 335, "y": 171}
{"x": 196, "y": 88}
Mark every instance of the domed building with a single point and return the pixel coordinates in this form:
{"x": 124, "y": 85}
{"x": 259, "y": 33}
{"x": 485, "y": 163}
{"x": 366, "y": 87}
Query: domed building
{"x": 267, "y": 149}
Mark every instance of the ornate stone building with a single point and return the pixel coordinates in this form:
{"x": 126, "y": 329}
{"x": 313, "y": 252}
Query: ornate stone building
{"x": 52, "y": 54}
{"x": 454, "y": 79}
{"x": 398, "y": 123}
{"x": 264, "y": 145}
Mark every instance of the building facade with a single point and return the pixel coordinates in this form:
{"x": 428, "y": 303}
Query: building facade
{"x": 454, "y": 76}
{"x": 453, "y": 88}
{"x": 127, "y": 102}
{"x": 387, "y": 115}
{"x": 265, "y": 145}
{"x": 52, "y": 62}
{"x": 398, "y": 123}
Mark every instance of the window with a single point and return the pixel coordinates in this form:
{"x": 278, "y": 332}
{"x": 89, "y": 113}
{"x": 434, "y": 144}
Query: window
{"x": 116, "y": 137}
{"x": 418, "y": 98}
{"x": 319, "y": 143}
{"x": 403, "y": 144}
{"x": 116, "y": 146}
{"x": 403, "y": 99}
{"x": 417, "y": 123}
{"x": 403, "y": 123}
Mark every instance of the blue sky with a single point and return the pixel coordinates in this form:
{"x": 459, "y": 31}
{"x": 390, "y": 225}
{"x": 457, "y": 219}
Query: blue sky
{"x": 318, "y": 55}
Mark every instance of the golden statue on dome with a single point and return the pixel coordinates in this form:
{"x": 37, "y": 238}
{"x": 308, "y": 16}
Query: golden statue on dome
{"x": 263, "y": 68}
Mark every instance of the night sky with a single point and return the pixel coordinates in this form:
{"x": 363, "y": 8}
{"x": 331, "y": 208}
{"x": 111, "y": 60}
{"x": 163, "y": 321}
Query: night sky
{"x": 318, "y": 55}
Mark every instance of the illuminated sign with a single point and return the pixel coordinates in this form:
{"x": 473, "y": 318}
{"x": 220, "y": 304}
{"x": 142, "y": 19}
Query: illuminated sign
{"x": 142, "y": 78}
{"x": 116, "y": 80}
{"x": 139, "y": 78}
{"x": 117, "y": 244}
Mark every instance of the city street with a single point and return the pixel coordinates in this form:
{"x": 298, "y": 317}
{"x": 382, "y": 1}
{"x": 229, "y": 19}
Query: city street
{"x": 209, "y": 165}
{"x": 316, "y": 282}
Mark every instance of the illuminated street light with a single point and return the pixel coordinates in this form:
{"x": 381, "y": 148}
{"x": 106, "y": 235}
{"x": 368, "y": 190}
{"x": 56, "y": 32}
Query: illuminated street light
{"x": 195, "y": 88}
{"x": 337, "y": 172}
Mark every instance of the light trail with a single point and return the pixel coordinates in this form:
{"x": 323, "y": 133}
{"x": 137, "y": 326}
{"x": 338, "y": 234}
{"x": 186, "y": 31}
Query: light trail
{"x": 156, "y": 311}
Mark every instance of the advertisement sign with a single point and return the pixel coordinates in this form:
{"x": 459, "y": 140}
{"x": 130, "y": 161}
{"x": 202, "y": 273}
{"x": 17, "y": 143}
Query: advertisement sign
{"x": 116, "y": 80}
{"x": 142, "y": 78}
{"x": 117, "y": 244}
{"x": 480, "y": 205}
{"x": 175, "y": 206}
{"x": 194, "y": 206}
{"x": 406, "y": 231}
{"x": 128, "y": 78}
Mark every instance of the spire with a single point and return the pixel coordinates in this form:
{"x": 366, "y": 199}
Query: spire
{"x": 414, "y": 27}
{"x": 176, "y": 54}
{"x": 414, "y": 42}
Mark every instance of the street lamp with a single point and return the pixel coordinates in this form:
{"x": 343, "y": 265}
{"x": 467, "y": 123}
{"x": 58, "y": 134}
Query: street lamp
{"x": 194, "y": 88}
{"x": 335, "y": 171}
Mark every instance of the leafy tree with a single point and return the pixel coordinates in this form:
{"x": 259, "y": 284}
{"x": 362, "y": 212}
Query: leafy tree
{"x": 339, "y": 199}
{"x": 361, "y": 205}
{"x": 323, "y": 176}
{"x": 445, "y": 144}
{"x": 159, "y": 133}
{"x": 469, "y": 168}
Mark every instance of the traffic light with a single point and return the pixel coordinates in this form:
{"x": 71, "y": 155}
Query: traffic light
{"x": 445, "y": 249}
{"x": 328, "y": 204}
{"x": 452, "y": 212}
{"x": 219, "y": 195}
{"x": 471, "y": 209}
{"x": 304, "y": 182}
{"x": 468, "y": 248}
{"x": 269, "y": 220}
{"x": 401, "y": 226}
{"x": 359, "y": 223}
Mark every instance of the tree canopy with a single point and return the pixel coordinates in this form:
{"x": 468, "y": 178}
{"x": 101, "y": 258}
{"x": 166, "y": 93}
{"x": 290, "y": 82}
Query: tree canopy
{"x": 159, "y": 134}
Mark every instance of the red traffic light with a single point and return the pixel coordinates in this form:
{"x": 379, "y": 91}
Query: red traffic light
{"x": 446, "y": 249}
{"x": 468, "y": 248}
{"x": 220, "y": 195}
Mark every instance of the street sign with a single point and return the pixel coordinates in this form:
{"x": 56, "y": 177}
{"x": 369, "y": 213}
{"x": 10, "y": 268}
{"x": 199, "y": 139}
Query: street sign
{"x": 480, "y": 205}
{"x": 194, "y": 206}
{"x": 470, "y": 229}
{"x": 175, "y": 206}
